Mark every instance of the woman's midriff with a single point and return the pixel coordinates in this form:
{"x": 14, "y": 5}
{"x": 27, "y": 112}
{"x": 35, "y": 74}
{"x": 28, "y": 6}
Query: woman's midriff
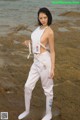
{"x": 42, "y": 50}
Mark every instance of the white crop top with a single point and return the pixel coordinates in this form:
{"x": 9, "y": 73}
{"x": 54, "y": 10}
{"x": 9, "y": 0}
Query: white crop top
{"x": 36, "y": 37}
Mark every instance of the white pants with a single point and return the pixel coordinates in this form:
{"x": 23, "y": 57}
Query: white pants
{"x": 38, "y": 70}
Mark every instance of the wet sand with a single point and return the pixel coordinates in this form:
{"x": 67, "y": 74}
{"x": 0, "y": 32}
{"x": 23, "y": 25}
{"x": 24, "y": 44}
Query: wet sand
{"x": 14, "y": 68}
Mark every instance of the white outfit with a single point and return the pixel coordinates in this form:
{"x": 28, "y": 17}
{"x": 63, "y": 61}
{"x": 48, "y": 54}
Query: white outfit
{"x": 40, "y": 69}
{"x": 36, "y": 37}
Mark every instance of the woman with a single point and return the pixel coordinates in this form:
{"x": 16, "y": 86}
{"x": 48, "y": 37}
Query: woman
{"x": 42, "y": 39}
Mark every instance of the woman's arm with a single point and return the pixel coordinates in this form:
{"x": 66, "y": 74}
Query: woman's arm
{"x": 26, "y": 42}
{"x": 52, "y": 52}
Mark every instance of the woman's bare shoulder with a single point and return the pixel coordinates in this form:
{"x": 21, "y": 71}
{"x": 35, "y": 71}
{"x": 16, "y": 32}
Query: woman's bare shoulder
{"x": 50, "y": 31}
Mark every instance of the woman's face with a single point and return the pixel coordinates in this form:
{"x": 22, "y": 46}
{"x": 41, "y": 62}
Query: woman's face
{"x": 43, "y": 19}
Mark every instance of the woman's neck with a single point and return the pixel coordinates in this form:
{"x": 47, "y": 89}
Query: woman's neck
{"x": 43, "y": 26}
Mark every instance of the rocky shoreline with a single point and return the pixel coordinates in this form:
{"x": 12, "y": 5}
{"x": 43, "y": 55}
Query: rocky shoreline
{"x": 14, "y": 68}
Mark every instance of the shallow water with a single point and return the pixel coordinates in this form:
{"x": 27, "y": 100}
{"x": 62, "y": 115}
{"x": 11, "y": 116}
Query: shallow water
{"x": 16, "y": 12}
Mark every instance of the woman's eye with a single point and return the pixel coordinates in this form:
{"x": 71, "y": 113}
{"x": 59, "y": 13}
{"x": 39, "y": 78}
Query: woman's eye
{"x": 45, "y": 17}
{"x": 40, "y": 18}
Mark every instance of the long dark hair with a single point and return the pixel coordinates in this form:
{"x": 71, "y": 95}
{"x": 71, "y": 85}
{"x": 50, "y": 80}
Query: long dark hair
{"x": 47, "y": 12}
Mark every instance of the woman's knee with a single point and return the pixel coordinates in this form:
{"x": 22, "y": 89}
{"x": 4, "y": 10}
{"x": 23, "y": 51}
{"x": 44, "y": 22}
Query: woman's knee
{"x": 28, "y": 87}
{"x": 48, "y": 91}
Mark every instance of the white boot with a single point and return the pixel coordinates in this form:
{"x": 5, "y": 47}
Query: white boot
{"x": 23, "y": 115}
{"x": 27, "y": 94}
{"x": 48, "y": 115}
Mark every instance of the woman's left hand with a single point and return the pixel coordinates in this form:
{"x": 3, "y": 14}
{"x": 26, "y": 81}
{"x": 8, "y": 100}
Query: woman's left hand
{"x": 52, "y": 73}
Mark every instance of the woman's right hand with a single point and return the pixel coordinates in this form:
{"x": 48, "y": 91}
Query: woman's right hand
{"x": 26, "y": 43}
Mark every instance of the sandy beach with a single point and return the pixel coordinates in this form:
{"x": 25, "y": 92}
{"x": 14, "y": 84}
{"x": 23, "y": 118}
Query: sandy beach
{"x": 14, "y": 68}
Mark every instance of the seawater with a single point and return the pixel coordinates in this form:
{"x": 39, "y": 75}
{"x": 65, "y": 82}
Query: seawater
{"x": 16, "y": 12}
